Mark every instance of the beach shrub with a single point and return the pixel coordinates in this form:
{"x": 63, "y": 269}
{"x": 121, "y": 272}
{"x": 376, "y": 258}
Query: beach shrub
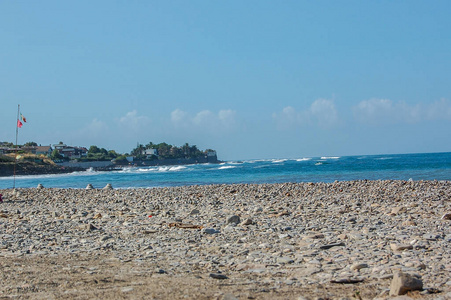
{"x": 4, "y": 158}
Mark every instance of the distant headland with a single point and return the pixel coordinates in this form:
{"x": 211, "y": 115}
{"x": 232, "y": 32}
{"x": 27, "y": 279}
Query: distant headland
{"x": 34, "y": 159}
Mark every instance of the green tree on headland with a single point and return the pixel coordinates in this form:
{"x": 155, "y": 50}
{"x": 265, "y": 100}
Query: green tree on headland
{"x": 166, "y": 151}
{"x": 138, "y": 152}
{"x": 56, "y": 155}
{"x": 100, "y": 154}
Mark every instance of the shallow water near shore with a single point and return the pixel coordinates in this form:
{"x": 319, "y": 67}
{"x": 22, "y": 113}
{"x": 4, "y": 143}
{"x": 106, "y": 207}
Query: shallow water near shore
{"x": 424, "y": 166}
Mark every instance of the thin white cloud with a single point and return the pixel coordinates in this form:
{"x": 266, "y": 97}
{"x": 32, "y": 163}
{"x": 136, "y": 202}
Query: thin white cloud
{"x": 376, "y": 111}
{"x": 205, "y": 120}
{"x": 439, "y": 110}
{"x": 322, "y": 113}
{"x": 133, "y": 121}
{"x": 178, "y": 116}
{"x": 205, "y": 117}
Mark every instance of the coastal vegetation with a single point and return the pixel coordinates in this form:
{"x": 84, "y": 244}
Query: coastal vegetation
{"x": 166, "y": 151}
{"x": 51, "y": 158}
{"x": 30, "y": 164}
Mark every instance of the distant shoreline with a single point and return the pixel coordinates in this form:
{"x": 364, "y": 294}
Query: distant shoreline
{"x": 30, "y": 168}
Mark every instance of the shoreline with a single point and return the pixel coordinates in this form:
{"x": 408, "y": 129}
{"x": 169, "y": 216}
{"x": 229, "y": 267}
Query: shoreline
{"x": 249, "y": 241}
{"x": 28, "y": 168}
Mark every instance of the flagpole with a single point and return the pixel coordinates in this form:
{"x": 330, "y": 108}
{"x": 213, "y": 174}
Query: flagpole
{"x": 17, "y": 133}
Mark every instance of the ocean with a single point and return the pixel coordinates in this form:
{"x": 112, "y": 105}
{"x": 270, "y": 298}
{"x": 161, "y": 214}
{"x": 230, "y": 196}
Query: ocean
{"x": 424, "y": 166}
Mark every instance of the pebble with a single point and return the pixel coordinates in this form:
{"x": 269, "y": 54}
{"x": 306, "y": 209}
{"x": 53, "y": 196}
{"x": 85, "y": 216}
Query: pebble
{"x": 358, "y": 266}
{"x": 321, "y": 232}
{"x": 218, "y": 276}
{"x": 248, "y": 221}
{"x": 401, "y": 247}
{"x": 233, "y": 219}
{"x": 331, "y": 245}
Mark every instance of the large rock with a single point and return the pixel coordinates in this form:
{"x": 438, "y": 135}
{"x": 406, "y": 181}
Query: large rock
{"x": 403, "y": 283}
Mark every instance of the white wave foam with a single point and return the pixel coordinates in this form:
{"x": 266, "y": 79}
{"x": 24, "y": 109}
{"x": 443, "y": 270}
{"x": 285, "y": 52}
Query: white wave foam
{"x": 258, "y": 160}
{"x": 170, "y": 169}
{"x": 177, "y": 168}
{"x": 152, "y": 169}
{"x": 330, "y": 157}
{"x": 318, "y": 164}
{"x": 235, "y": 162}
{"x": 226, "y": 167}
{"x": 304, "y": 159}
{"x": 278, "y": 160}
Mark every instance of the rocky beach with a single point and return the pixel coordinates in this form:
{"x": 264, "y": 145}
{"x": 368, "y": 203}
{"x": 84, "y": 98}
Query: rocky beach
{"x": 342, "y": 240}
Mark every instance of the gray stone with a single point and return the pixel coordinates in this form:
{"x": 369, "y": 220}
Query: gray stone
{"x": 218, "y": 276}
{"x": 403, "y": 283}
{"x": 127, "y": 289}
{"x": 194, "y": 212}
{"x": 358, "y": 266}
{"x": 247, "y": 222}
{"x": 325, "y": 247}
{"x": 400, "y": 247}
{"x": 233, "y": 219}
{"x": 285, "y": 260}
{"x": 210, "y": 231}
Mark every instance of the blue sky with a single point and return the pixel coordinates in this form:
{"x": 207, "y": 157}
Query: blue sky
{"x": 251, "y": 79}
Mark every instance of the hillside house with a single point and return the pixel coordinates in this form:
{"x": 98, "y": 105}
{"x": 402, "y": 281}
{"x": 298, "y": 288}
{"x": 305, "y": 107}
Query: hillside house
{"x": 43, "y": 150}
{"x": 74, "y": 152}
{"x": 150, "y": 152}
{"x": 71, "y": 152}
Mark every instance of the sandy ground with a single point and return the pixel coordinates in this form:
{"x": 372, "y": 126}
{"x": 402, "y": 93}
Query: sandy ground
{"x": 292, "y": 241}
{"x": 86, "y": 277}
